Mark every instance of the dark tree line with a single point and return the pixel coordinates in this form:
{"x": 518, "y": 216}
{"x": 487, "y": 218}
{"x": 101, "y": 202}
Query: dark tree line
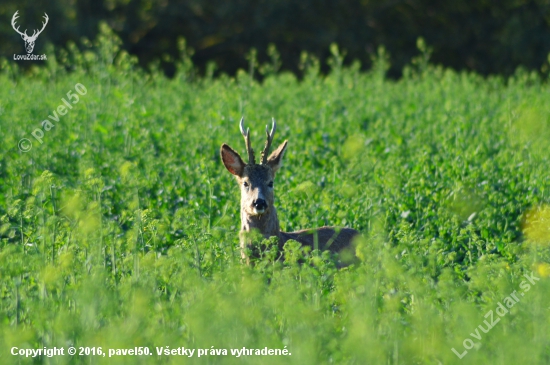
{"x": 486, "y": 36}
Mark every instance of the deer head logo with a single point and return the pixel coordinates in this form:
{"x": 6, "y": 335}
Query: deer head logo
{"x": 29, "y": 40}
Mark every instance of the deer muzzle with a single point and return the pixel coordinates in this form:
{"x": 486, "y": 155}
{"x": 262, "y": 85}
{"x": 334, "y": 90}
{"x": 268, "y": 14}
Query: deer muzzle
{"x": 260, "y": 206}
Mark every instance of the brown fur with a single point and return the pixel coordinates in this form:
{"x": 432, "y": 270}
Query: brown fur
{"x": 254, "y": 181}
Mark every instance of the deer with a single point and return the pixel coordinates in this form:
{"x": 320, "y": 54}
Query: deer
{"x": 29, "y": 40}
{"x": 258, "y": 212}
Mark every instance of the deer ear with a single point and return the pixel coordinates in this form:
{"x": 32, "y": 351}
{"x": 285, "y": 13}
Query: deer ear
{"x": 232, "y": 161}
{"x": 275, "y": 160}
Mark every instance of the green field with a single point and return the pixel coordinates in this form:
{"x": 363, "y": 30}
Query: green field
{"x": 120, "y": 229}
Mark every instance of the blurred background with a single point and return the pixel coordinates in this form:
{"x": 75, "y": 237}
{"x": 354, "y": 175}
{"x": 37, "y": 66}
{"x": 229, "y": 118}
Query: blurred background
{"x": 488, "y": 37}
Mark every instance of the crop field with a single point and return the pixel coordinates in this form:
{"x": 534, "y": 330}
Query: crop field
{"x": 119, "y": 223}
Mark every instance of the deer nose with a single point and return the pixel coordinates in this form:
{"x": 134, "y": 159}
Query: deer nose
{"x": 260, "y": 204}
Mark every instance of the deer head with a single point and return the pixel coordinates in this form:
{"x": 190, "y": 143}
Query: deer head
{"x": 29, "y": 40}
{"x": 255, "y": 180}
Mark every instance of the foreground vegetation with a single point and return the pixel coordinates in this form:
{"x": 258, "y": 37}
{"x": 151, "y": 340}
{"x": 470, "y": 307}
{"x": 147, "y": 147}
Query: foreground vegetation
{"x": 119, "y": 230}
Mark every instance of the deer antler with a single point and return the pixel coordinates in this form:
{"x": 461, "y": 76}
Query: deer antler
{"x": 15, "y": 16}
{"x": 268, "y": 140}
{"x": 35, "y": 34}
{"x": 249, "y": 150}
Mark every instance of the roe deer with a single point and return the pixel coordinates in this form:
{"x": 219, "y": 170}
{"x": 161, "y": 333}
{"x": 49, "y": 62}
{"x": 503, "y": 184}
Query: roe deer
{"x": 257, "y": 210}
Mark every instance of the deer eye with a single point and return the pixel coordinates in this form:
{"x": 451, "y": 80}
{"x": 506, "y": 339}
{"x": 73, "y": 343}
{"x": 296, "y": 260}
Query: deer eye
{"x": 270, "y": 184}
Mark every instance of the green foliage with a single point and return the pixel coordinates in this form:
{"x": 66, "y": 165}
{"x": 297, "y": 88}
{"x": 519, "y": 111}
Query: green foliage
{"x": 488, "y": 37}
{"x": 121, "y": 228}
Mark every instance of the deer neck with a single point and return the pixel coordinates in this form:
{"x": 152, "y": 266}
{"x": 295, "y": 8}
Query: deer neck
{"x": 267, "y": 224}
